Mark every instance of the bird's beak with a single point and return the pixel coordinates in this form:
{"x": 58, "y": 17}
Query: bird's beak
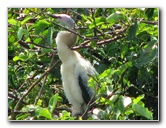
{"x": 54, "y": 16}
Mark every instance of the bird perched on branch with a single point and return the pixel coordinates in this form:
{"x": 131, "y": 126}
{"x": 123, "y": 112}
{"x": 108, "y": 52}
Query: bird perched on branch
{"x": 75, "y": 70}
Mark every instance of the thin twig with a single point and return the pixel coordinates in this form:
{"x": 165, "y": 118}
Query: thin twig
{"x": 68, "y": 29}
{"x": 41, "y": 89}
{"x": 113, "y": 93}
{"x": 100, "y": 43}
{"x": 88, "y": 106}
{"x": 144, "y": 92}
{"x": 27, "y": 80}
{"x": 15, "y": 98}
{"x": 30, "y": 36}
{"x": 93, "y": 97}
{"x": 44, "y": 81}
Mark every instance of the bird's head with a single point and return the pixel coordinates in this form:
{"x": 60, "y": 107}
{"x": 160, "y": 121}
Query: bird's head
{"x": 64, "y": 19}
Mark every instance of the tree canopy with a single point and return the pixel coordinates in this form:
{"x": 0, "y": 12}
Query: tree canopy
{"x": 121, "y": 43}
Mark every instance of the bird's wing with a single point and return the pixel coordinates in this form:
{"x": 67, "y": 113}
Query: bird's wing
{"x": 82, "y": 72}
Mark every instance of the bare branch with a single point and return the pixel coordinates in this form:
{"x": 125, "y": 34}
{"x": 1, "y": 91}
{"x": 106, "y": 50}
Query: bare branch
{"x": 100, "y": 43}
{"x": 150, "y": 22}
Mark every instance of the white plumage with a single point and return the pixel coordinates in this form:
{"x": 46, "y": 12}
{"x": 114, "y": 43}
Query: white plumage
{"x": 75, "y": 70}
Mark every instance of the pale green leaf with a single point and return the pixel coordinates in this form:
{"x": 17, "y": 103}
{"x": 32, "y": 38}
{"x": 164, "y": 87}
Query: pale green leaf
{"x": 52, "y": 102}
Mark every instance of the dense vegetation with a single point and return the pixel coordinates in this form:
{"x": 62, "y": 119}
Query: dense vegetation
{"x": 121, "y": 43}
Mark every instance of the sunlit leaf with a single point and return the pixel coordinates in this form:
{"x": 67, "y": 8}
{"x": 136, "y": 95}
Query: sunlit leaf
{"x": 53, "y": 102}
{"x": 12, "y": 39}
{"x": 12, "y": 21}
{"x": 139, "y": 98}
{"x": 25, "y": 20}
{"x": 97, "y": 22}
{"x": 22, "y": 116}
{"x": 43, "y": 112}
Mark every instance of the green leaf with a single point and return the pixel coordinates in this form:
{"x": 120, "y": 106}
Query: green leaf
{"x": 43, "y": 112}
{"x": 20, "y": 33}
{"x": 45, "y": 50}
{"x": 50, "y": 34}
{"x": 98, "y": 21}
{"x": 144, "y": 35}
{"x": 12, "y": 39}
{"x": 148, "y": 54}
{"x": 41, "y": 25}
{"x": 12, "y": 21}
{"x": 65, "y": 115}
{"x": 143, "y": 111}
{"x": 20, "y": 57}
{"x": 124, "y": 50}
{"x": 139, "y": 98}
{"x": 105, "y": 73}
{"x": 22, "y": 116}
{"x": 123, "y": 68}
{"x": 23, "y": 56}
{"x": 25, "y": 20}
{"x": 114, "y": 17}
{"x": 120, "y": 105}
{"x": 52, "y": 102}
{"x": 149, "y": 13}
{"x": 38, "y": 40}
{"x": 132, "y": 31}
{"x": 129, "y": 111}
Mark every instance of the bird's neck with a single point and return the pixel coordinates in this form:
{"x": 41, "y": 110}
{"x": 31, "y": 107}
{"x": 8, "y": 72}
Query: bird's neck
{"x": 64, "y": 52}
{"x": 64, "y": 41}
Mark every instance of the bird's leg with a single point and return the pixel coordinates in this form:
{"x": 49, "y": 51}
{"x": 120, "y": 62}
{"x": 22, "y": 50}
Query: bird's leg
{"x": 75, "y": 110}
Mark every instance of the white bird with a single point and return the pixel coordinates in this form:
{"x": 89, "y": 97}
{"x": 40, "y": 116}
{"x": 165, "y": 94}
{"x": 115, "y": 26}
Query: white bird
{"x": 75, "y": 70}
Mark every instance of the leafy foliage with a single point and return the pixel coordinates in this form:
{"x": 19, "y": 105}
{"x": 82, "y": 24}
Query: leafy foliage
{"x": 122, "y": 44}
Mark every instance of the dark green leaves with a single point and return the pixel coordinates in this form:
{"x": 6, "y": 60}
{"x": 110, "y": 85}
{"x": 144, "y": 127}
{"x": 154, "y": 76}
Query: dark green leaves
{"x": 41, "y": 25}
{"x": 148, "y": 53}
{"x": 149, "y": 13}
{"x": 132, "y": 31}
